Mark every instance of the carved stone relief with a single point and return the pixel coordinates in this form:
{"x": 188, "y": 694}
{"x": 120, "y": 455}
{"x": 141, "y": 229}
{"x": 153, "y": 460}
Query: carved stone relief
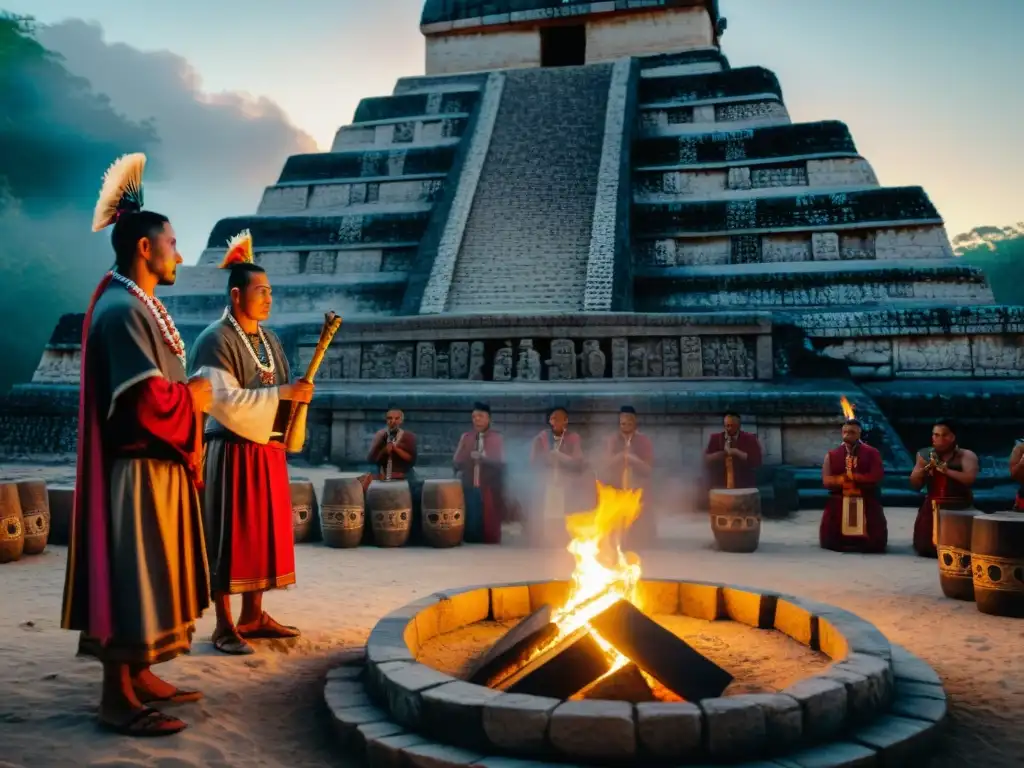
{"x": 426, "y": 360}
{"x": 562, "y": 364}
{"x": 592, "y": 360}
{"x": 691, "y": 358}
{"x": 459, "y": 359}
{"x": 503, "y": 361}
{"x": 477, "y": 360}
{"x": 620, "y": 358}
{"x": 528, "y": 364}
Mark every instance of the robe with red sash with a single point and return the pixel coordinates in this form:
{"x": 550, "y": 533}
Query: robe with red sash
{"x": 483, "y": 484}
{"x": 564, "y": 487}
{"x": 629, "y": 474}
{"x": 948, "y": 493}
{"x": 744, "y": 473}
{"x": 247, "y": 503}
{"x": 136, "y": 573}
{"x": 853, "y": 520}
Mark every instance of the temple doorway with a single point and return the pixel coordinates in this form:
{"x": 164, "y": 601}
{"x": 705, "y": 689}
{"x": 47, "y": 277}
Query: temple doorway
{"x": 563, "y": 46}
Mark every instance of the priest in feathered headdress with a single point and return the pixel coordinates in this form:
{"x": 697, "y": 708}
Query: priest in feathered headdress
{"x": 247, "y": 503}
{"x": 137, "y": 574}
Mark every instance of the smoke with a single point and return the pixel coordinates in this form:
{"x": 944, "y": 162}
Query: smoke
{"x": 69, "y": 105}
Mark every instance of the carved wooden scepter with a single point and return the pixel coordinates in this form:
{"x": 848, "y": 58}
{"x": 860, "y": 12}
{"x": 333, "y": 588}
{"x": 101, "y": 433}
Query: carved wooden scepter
{"x": 295, "y": 433}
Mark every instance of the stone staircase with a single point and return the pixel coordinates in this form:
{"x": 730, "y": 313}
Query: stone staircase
{"x": 527, "y": 239}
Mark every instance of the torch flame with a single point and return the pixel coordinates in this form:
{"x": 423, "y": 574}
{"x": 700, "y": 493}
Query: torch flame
{"x": 848, "y": 412}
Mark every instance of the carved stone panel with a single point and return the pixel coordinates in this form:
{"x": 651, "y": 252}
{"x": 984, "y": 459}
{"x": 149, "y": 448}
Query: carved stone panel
{"x": 728, "y": 357}
{"x": 388, "y": 361}
{"x": 638, "y": 364}
{"x": 528, "y": 364}
{"x": 670, "y": 357}
{"x": 592, "y": 360}
{"x": 620, "y": 358}
{"x": 691, "y": 359}
{"x": 503, "y": 361}
{"x": 562, "y": 364}
{"x": 459, "y": 359}
{"x": 443, "y": 366}
{"x": 933, "y": 356}
{"x": 477, "y": 361}
{"x": 426, "y": 360}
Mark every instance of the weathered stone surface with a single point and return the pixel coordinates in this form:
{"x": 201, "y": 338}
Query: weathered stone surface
{"x": 344, "y": 694}
{"x": 669, "y": 729}
{"x": 919, "y": 708}
{"x": 658, "y": 597}
{"x": 898, "y": 740}
{"x": 701, "y": 601}
{"x": 553, "y": 593}
{"x": 454, "y": 713}
{"x": 841, "y": 754}
{"x": 403, "y": 687}
{"x": 797, "y": 622}
{"x": 734, "y": 727}
{"x": 594, "y": 730}
{"x": 389, "y": 751}
{"x": 517, "y": 722}
{"x": 783, "y": 719}
{"x": 458, "y": 610}
{"x": 823, "y": 702}
{"x": 874, "y": 692}
{"x": 430, "y": 755}
{"x": 751, "y": 608}
{"x": 345, "y": 673}
{"x": 907, "y": 667}
{"x": 913, "y": 688}
{"x": 510, "y": 602}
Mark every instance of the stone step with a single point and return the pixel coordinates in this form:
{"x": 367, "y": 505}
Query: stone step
{"x": 314, "y": 262}
{"x": 440, "y": 83}
{"x": 836, "y": 176}
{"x": 690, "y": 62}
{"x": 203, "y": 279}
{"x": 813, "y": 286}
{"x": 346, "y": 199}
{"x": 376, "y": 164}
{"x": 403, "y": 107}
{"x": 421, "y": 132}
{"x": 869, "y": 242}
{"x": 317, "y": 232}
{"x": 691, "y": 121}
{"x": 725, "y": 148}
{"x": 709, "y": 88}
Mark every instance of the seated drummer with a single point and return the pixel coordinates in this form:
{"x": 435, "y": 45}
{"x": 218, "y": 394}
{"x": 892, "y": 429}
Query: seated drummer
{"x": 393, "y": 455}
{"x": 480, "y": 463}
{"x": 732, "y": 457}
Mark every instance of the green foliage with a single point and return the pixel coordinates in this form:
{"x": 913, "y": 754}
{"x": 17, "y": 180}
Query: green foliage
{"x": 1002, "y": 259}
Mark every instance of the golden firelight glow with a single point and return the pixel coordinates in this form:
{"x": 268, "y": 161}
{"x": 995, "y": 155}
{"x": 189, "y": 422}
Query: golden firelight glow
{"x": 604, "y": 574}
{"x": 848, "y": 412}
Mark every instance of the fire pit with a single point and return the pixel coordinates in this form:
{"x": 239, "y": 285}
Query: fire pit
{"x": 611, "y": 669}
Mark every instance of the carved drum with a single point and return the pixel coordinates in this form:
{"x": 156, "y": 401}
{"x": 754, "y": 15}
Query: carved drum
{"x": 304, "y": 511}
{"x": 997, "y": 557}
{"x": 35, "y": 515}
{"x": 954, "y": 548}
{"x": 444, "y": 513}
{"x": 389, "y": 505}
{"x": 342, "y": 511}
{"x": 62, "y": 506}
{"x": 12, "y": 534}
{"x": 736, "y": 518}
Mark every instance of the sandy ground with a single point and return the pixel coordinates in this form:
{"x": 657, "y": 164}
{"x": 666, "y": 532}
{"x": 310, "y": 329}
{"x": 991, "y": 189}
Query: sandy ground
{"x": 265, "y": 710}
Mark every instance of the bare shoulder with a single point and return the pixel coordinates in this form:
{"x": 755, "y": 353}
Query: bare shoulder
{"x": 969, "y": 454}
{"x": 1018, "y": 449}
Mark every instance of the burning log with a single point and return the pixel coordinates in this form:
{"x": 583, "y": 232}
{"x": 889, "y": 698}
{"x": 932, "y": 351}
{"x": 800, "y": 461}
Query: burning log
{"x": 570, "y": 665}
{"x": 667, "y": 658}
{"x": 515, "y": 647}
{"x": 627, "y": 683}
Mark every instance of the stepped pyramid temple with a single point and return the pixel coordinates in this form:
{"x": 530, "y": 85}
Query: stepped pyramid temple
{"x": 583, "y": 203}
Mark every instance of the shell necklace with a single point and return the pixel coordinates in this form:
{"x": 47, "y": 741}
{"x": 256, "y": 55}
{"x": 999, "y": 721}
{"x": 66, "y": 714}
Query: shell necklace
{"x": 266, "y": 369}
{"x": 160, "y": 314}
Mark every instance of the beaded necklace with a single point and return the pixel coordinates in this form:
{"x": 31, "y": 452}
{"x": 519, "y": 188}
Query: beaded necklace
{"x": 159, "y": 312}
{"x": 268, "y": 368}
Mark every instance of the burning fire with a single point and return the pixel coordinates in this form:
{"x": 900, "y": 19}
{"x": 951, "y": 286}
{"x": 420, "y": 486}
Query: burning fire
{"x": 604, "y": 574}
{"x": 848, "y": 412}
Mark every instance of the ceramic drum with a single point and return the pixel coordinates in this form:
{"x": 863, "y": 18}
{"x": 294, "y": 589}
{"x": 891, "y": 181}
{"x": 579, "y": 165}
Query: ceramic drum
{"x": 389, "y": 505}
{"x": 342, "y": 511}
{"x": 444, "y": 513}
{"x": 304, "y": 511}
{"x": 35, "y": 515}
{"x": 62, "y": 505}
{"x": 736, "y": 518}
{"x": 954, "y": 548}
{"x": 997, "y": 559}
{"x": 12, "y": 534}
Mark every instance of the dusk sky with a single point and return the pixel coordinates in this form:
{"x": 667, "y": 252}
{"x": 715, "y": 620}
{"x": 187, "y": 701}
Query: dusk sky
{"x": 933, "y": 97}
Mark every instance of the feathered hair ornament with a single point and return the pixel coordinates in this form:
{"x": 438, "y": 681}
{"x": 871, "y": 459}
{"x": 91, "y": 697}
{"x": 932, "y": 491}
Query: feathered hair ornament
{"x": 121, "y": 192}
{"x": 239, "y": 250}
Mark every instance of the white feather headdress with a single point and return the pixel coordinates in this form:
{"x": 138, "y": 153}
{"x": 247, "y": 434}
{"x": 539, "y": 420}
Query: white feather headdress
{"x": 121, "y": 191}
{"x": 239, "y": 250}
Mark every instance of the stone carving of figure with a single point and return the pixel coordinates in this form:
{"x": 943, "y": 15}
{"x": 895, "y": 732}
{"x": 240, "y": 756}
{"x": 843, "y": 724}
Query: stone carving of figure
{"x": 403, "y": 363}
{"x": 620, "y": 358}
{"x": 442, "y": 365}
{"x": 670, "y": 357}
{"x": 459, "y": 360}
{"x": 426, "y": 360}
{"x": 592, "y": 360}
{"x": 528, "y": 365}
{"x": 637, "y": 360}
{"x": 562, "y": 364}
{"x": 502, "y": 362}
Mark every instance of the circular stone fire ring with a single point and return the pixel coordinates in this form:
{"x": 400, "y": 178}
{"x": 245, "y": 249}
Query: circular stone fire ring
{"x": 874, "y": 704}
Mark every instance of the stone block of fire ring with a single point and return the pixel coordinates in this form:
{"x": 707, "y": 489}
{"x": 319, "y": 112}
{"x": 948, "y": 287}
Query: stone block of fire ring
{"x": 736, "y": 518}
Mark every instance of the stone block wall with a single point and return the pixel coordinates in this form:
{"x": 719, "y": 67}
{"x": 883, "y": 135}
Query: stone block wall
{"x": 413, "y": 132}
{"x": 327, "y": 199}
{"x": 746, "y": 113}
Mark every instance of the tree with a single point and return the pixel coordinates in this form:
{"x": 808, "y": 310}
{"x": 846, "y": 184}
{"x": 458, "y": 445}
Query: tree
{"x": 999, "y": 251}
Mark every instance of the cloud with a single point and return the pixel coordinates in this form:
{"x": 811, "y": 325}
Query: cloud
{"x": 216, "y": 151}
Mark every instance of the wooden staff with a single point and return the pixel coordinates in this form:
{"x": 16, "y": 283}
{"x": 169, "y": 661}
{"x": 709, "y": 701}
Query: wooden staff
{"x": 295, "y": 433}
{"x": 730, "y": 472}
{"x": 627, "y": 477}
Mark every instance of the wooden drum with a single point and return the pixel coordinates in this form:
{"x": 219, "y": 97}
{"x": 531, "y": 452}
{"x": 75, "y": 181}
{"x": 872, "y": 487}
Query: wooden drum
{"x": 61, "y": 499}
{"x": 12, "y": 533}
{"x": 389, "y": 505}
{"x": 444, "y": 513}
{"x": 954, "y": 548}
{"x": 35, "y": 515}
{"x": 736, "y": 518}
{"x": 304, "y": 511}
{"x": 997, "y": 557}
{"x": 342, "y": 511}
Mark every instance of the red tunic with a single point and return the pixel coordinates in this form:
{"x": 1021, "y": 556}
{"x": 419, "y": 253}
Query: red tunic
{"x": 855, "y": 523}
{"x": 949, "y": 493}
{"x": 574, "y": 477}
{"x": 400, "y": 467}
{"x": 483, "y": 483}
{"x": 744, "y": 472}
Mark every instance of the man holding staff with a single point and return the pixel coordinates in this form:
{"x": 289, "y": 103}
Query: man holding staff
{"x": 247, "y": 503}
{"x": 480, "y": 461}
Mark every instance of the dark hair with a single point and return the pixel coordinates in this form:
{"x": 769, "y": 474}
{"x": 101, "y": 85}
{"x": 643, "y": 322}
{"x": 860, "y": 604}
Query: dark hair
{"x": 558, "y": 408}
{"x": 239, "y": 275}
{"x": 482, "y": 407}
{"x": 129, "y": 229}
{"x": 731, "y": 414}
{"x": 947, "y": 423}
{"x": 854, "y": 423}
{"x": 628, "y": 409}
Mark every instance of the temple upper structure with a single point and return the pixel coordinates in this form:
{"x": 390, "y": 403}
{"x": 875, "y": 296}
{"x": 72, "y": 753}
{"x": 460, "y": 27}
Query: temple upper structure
{"x": 584, "y": 203}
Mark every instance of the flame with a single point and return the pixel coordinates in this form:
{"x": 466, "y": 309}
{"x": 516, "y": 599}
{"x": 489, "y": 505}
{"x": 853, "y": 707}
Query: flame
{"x": 604, "y": 574}
{"x": 848, "y": 412}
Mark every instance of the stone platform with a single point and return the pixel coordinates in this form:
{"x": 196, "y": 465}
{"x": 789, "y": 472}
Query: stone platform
{"x": 876, "y": 705}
